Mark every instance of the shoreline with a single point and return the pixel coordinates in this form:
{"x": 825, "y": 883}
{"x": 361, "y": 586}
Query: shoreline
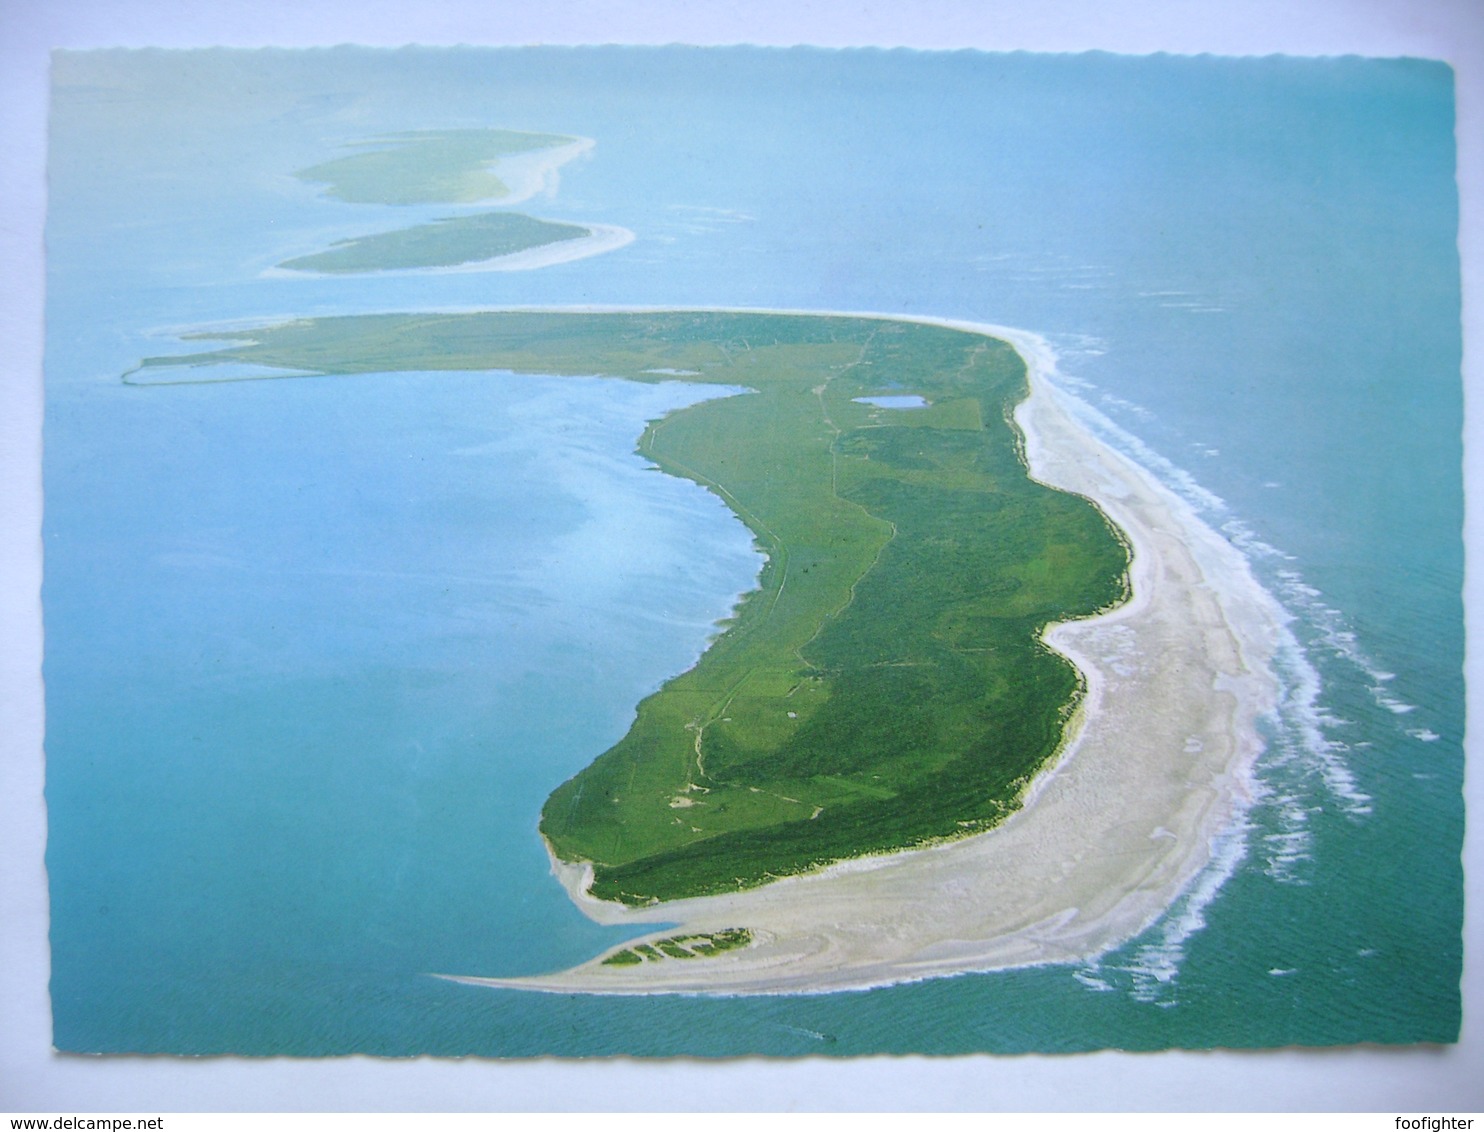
{"x": 1154, "y": 767}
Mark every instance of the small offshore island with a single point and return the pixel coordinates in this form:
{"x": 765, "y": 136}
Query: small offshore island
{"x": 967, "y": 718}
{"x": 447, "y": 242}
{"x": 472, "y": 166}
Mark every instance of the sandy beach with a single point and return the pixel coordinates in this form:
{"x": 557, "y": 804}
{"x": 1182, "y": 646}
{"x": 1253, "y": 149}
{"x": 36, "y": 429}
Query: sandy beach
{"x": 1155, "y": 766}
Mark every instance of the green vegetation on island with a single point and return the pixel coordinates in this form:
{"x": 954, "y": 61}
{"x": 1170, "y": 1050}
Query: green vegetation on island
{"x": 427, "y": 166}
{"x": 443, "y": 243}
{"x": 885, "y": 685}
{"x": 697, "y": 946}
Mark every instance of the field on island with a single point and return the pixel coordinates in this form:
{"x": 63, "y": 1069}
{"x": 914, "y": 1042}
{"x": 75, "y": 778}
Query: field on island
{"x": 886, "y": 684}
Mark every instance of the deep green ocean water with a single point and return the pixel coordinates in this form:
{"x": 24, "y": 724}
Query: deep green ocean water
{"x": 318, "y": 649}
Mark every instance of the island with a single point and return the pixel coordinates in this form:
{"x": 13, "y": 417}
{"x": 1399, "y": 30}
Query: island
{"x": 455, "y": 167}
{"x": 967, "y": 718}
{"x": 447, "y": 242}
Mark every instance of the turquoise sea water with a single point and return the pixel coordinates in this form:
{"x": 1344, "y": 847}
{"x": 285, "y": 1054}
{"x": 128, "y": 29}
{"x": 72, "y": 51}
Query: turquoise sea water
{"x": 317, "y": 649}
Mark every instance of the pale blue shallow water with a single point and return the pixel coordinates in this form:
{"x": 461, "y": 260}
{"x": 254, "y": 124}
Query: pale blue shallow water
{"x": 317, "y": 649}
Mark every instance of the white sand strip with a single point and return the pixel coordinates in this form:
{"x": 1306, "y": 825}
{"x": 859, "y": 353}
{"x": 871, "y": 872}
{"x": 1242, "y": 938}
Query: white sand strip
{"x": 600, "y": 238}
{"x": 1157, "y": 765}
{"x": 535, "y": 171}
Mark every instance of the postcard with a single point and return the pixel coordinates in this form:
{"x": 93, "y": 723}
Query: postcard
{"x": 740, "y": 551}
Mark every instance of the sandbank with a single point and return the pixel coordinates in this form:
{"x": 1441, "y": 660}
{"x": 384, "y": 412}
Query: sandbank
{"x": 1155, "y": 766}
{"x": 600, "y": 238}
{"x": 533, "y": 171}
